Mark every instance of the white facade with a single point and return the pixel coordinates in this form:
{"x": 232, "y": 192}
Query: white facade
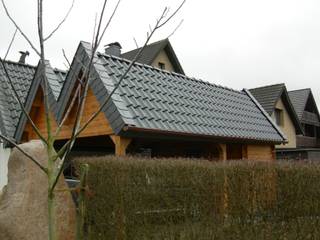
{"x": 4, "y": 157}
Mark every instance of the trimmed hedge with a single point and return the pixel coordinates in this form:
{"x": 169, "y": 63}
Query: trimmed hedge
{"x": 134, "y": 198}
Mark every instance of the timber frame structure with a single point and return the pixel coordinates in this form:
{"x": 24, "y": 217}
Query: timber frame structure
{"x": 153, "y": 112}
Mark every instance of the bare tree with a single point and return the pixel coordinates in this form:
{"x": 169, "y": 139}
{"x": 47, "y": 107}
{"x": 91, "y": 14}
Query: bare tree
{"x": 57, "y": 160}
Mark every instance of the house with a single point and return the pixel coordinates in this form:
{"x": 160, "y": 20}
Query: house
{"x": 308, "y": 143}
{"x": 308, "y": 114}
{"x": 276, "y": 102}
{"x": 154, "y": 112}
{"x": 158, "y": 54}
{"x": 296, "y": 113}
{"x": 22, "y": 75}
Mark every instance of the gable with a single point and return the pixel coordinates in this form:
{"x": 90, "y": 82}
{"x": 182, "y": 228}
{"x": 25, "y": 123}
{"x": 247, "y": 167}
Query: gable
{"x": 162, "y": 58}
{"x": 10, "y": 112}
{"x": 305, "y": 105}
{"x": 153, "y": 51}
{"x": 269, "y": 96}
{"x": 287, "y": 125}
{"x": 99, "y": 126}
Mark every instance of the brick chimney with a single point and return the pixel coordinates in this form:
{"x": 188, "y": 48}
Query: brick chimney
{"x": 113, "y": 49}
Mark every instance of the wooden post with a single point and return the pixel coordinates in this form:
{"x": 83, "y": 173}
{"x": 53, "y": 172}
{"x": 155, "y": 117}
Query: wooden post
{"x": 244, "y": 152}
{"x": 121, "y": 144}
{"x": 223, "y": 151}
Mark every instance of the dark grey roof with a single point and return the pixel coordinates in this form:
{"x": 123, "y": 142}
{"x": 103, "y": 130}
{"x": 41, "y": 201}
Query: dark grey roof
{"x": 151, "y": 52}
{"x": 153, "y": 99}
{"x": 56, "y": 80}
{"x": 157, "y": 100}
{"x": 299, "y": 100}
{"x": 10, "y": 111}
{"x": 268, "y": 96}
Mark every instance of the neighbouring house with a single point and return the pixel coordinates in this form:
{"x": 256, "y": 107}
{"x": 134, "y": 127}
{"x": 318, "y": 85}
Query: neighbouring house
{"x": 154, "y": 112}
{"x": 296, "y": 113}
{"x": 308, "y": 143}
{"x": 276, "y": 102}
{"x": 21, "y": 75}
{"x": 158, "y": 54}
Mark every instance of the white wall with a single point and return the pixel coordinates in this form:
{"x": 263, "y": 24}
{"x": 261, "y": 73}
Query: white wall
{"x": 4, "y": 156}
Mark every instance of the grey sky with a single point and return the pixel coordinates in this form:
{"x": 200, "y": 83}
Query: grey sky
{"x": 239, "y": 44}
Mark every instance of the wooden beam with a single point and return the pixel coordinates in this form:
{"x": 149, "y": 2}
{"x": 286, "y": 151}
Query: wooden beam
{"x": 223, "y": 151}
{"x": 244, "y": 152}
{"x": 121, "y": 144}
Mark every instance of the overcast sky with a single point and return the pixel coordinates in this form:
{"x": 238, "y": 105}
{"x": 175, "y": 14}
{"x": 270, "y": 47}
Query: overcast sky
{"x": 239, "y": 44}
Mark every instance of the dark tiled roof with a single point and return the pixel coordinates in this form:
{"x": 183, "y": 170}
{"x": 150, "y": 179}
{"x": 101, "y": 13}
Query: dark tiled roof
{"x": 150, "y": 98}
{"x": 56, "y": 79}
{"x": 299, "y": 100}
{"x": 267, "y": 96}
{"x": 10, "y": 111}
{"x": 157, "y": 100}
{"x": 151, "y": 52}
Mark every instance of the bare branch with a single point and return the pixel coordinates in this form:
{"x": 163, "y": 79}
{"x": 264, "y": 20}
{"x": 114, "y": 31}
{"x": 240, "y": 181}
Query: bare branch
{"x": 135, "y": 41}
{"x": 173, "y": 32}
{"x": 25, "y": 153}
{"x": 109, "y": 21}
{"x": 173, "y": 14}
{"x": 94, "y": 27}
{"x": 61, "y": 22}
{"x": 12, "y": 39}
{"x": 42, "y": 67}
{"x": 65, "y": 57}
{"x": 17, "y": 97}
{"x": 76, "y": 94}
{"x": 99, "y": 25}
{"x": 19, "y": 29}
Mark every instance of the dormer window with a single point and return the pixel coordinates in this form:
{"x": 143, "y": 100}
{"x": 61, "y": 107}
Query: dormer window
{"x": 279, "y": 116}
{"x": 161, "y": 65}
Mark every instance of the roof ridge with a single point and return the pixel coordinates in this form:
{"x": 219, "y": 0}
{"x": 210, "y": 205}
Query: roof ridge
{"x": 167, "y": 72}
{"x": 302, "y": 89}
{"x": 19, "y": 63}
{"x": 272, "y": 85}
{"x": 148, "y": 45}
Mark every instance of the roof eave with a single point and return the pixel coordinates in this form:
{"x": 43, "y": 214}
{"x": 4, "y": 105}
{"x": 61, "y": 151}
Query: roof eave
{"x": 137, "y": 131}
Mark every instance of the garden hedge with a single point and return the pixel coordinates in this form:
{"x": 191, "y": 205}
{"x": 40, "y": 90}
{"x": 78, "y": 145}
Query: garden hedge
{"x": 132, "y": 198}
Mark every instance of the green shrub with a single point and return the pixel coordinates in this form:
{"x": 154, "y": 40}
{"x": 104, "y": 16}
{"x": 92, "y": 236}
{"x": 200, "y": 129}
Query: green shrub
{"x": 134, "y": 198}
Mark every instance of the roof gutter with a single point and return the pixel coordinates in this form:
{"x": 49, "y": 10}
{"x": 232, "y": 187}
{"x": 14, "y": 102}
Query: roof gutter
{"x": 129, "y": 128}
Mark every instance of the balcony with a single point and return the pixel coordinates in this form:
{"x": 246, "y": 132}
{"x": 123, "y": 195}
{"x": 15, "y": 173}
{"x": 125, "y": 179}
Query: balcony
{"x": 310, "y": 142}
{"x": 310, "y": 118}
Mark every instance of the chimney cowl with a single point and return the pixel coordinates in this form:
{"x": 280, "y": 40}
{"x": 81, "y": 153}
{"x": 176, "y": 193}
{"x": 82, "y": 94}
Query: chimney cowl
{"x": 23, "y": 56}
{"x": 113, "y": 49}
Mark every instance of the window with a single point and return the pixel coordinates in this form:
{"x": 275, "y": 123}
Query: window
{"x": 279, "y": 116}
{"x": 161, "y": 65}
{"x": 309, "y": 130}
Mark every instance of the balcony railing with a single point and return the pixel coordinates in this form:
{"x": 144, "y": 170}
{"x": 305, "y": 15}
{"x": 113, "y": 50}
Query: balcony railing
{"x": 310, "y": 118}
{"x": 304, "y": 141}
